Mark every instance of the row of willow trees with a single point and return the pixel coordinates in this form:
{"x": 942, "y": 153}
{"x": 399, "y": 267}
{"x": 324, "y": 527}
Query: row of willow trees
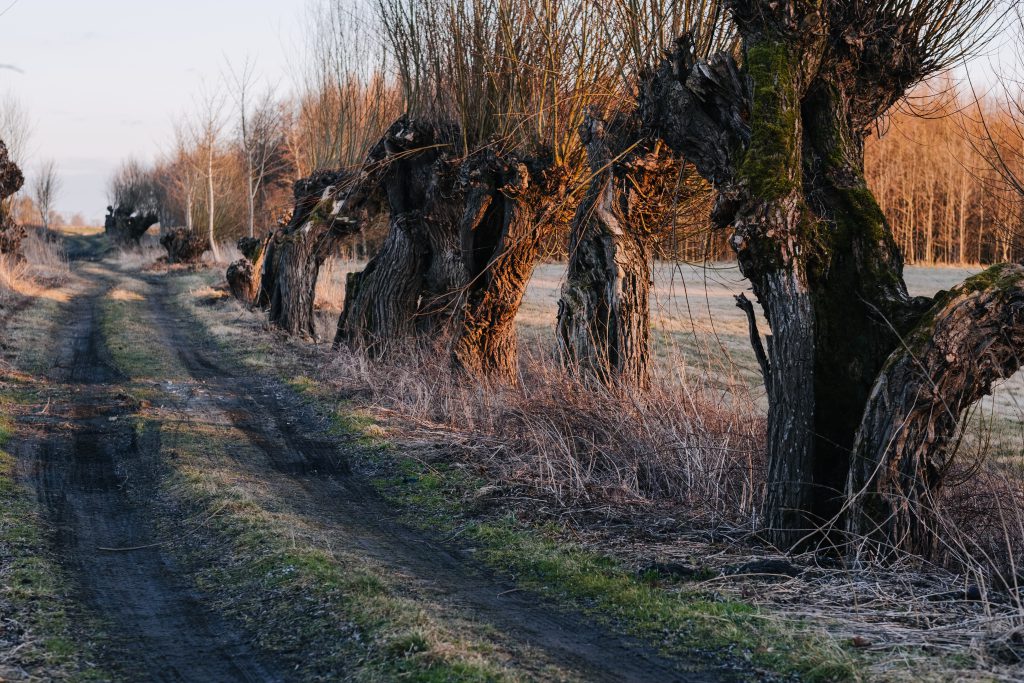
{"x": 606, "y": 119}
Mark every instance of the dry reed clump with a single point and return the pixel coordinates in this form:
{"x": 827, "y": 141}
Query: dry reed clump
{"x": 147, "y": 252}
{"x": 687, "y": 443}
{"x": 980, "y": 518}
{"x": 44, "y": 263}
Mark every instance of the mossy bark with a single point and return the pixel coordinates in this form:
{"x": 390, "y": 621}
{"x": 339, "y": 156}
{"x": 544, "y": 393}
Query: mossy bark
{"x": 867, "y": 386}
{"x": 769, "y": 234}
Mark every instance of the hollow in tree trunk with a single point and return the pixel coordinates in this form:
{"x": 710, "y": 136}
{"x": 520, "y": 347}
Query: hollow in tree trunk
{"x": 604, "y": 322}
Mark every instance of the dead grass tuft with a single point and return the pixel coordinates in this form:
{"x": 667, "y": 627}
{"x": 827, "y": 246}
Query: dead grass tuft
{"x": 686, "y": 441}
{"x": 44, "y": 265}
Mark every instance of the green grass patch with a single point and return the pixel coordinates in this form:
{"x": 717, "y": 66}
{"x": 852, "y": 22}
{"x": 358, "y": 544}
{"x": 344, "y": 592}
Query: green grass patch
{"x": 53, "y": 645}
{"x": 679, "y": 620}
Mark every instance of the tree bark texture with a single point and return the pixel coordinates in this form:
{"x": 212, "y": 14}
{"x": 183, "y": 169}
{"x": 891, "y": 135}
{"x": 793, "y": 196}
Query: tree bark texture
{"x": 298, "y": 250}
{"x": 125, "y": 226}
{"x": 604, "y": 325}
{"x": 11, "y": 180}
{"x": 972, "y": 337}
{"x": 184, "y": 247}
{"x": 510, "y": 204}
{"x": 781, "y": 139}
{"x": 243, "y": 276}
{"x": 412, "y": 288}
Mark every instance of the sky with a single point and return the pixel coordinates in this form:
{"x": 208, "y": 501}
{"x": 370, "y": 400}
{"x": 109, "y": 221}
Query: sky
{"x": 103, "y": 80}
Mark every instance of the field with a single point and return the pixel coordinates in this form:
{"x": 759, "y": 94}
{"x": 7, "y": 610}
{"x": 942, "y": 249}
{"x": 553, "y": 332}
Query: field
{"x": 697, "y": 329}
{"x": 694, "y": 313}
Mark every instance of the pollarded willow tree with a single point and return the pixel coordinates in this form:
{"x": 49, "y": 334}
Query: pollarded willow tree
{"x": 134, "y": 205}
{"x": 484, "y": 165}
{"x": 866, "y": 385}
{"x": 411, "y": 287}
{"x": 344, "y": 105}
{"x": 635, "y": 190}
{"x": 11, "y": 180}
{"x": 292, "y": 256}
{"x": 529, "y": 69}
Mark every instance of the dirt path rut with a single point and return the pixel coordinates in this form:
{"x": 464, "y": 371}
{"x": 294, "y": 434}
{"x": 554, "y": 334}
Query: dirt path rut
{"x": 83, "y": 464}
{"x": 92, "y": 469}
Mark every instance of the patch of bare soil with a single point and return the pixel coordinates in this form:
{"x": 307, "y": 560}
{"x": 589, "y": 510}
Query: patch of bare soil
{"x": 85, "y": 459}
{"x": 312, "y": 473}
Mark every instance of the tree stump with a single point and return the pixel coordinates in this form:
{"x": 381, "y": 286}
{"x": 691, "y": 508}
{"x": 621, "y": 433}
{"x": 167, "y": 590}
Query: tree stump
{"x": 184, "y": 247}
{"x": 243, "y": 275}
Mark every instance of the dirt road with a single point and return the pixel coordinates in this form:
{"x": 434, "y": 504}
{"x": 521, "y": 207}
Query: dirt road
{"x": 96, "y": 472}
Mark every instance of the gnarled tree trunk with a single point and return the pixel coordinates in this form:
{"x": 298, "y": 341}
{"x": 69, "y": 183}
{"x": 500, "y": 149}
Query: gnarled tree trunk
{"x": 11, "y": 180}
{"x": 782, "y": 141}
{"x": 125, "y": 226}
{"x": 509, "y": 205}
{"x": 184, "y": 246}
{"x": 411, "y": 287}
{"x": 604, "y": 325}
{"x": 972, "y": 337}
{"x": 300, "y": 249}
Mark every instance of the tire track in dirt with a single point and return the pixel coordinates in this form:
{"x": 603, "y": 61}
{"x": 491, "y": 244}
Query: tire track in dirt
{"x": 83, "y": 461}
{"x": 285, "y": 429}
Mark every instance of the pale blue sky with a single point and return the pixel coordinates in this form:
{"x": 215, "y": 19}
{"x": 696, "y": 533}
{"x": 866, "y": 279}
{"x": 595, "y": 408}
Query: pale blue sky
{"x": 105, "y": 79}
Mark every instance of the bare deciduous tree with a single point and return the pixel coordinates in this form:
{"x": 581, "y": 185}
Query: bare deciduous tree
{"x": 46, "y": 188}
{"x": 261, "y": 135}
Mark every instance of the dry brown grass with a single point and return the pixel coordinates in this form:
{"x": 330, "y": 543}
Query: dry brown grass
{"x": 44, "y": 265}
{"x": 686, "y": 442}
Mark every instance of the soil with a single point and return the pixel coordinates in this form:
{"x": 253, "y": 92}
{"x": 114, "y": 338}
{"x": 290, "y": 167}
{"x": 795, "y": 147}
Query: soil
{"x": 94, "y": 471}
{"x": 82, "y": 463}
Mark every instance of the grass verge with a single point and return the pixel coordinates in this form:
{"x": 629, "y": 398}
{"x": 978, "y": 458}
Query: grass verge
{"x": 442, "y": 498}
